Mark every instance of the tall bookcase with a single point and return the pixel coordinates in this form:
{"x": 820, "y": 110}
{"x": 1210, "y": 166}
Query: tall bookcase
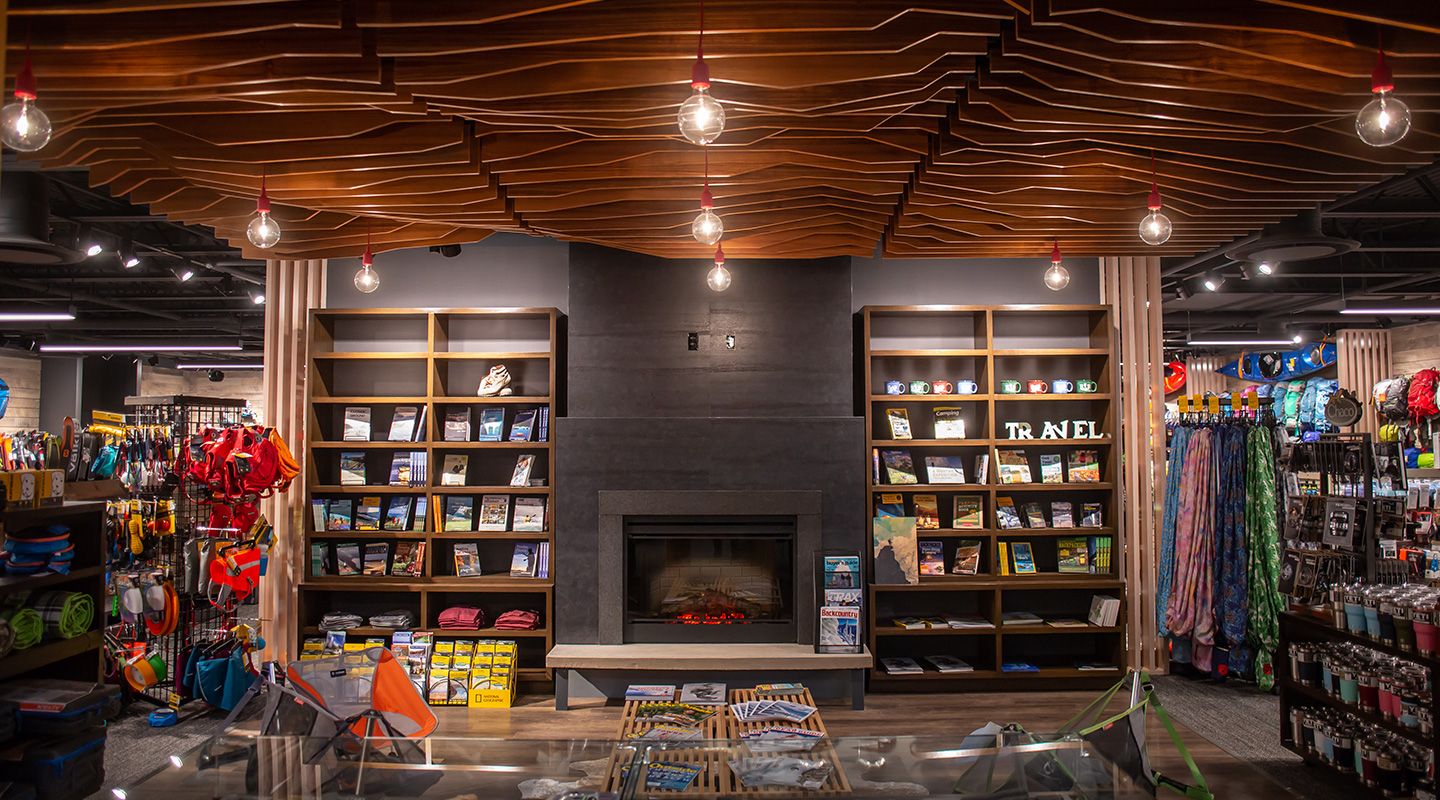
{"x": 385, "y": 359}
{"x": 989, "y": 345}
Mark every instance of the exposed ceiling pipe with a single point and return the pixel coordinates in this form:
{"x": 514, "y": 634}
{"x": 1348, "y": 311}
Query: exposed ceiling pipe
{"x": 41, "y": 288}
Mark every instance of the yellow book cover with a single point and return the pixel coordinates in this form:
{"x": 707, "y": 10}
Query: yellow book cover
{"x": 1004, "y": 558}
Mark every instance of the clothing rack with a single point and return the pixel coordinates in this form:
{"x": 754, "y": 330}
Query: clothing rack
{"x": 183, "y": 416}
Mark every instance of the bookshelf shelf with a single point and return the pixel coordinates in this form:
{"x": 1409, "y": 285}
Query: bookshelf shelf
{"x": 989, "y": 345}
{"x": 433, "y": 360}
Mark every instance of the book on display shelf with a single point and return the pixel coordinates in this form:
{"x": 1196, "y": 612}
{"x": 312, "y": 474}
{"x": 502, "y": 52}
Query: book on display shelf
{"x": 1014, "y": 466}
{"x": 397, "y": 513}
{"x": 899, "y": 469}
{"x": 459, "y": 513}
{"x": 1018, "y": 666}
{"x": 367, "y": 514}
{"x": 1067, "y": 623}
{"x": 1104, "y": 611}
{"x": 1002, "y": 558}
{"x": 457, "y": 425}
{"x": 467, "y": 559}
{"x": 521, "y": 476}
{"x": 402, "y": 425}
{"x": 927, "y": 511}
{"x": 455, "y": 467}
{"x": 948, "y": 424}
{"x": 544, "y": 432}
{"x": 419, "y": 434}
{"x": 945, "y": 469}
{"x": 352, "y": 468}
{"x": 932, "y": 557}
{"x": 896, "y": 556}
{"x": 1091, "y": 516}
{"x": 899, "y": 423}
{"x": 529, "y": 514}
{"x": 542, "y": 562}
{"x": 1019, "y": 619}
{"x": 909, "y": 623}
{"x": 409, "y": 559}
{"x": 494, "y": 512}
{"x": 421, "y": 516}
{"x": 492, "y": 423}
{"x": 901, "y": 666}
{"x": 1073, "y": 554}
{"x": 338, "y": 514}
{"x": 523, "y": 562}
{"x": 1084, "y": 466}
{"x": 524, "y": 426}
{"x": 1034, "y": 517}
{"x": 967, "y": 622}
{"x": 1100, "y": 554}
{"x": 1051, "y": 470}
{"x": 377, "y": 558}
{"x": 1061, "y": 515}
{"x": 890, "y": 505}
{"x": 347, "y": 558}
{"x": 320, "y": 515}
{"x": 967, "y": 512}
{"x": 1006, "y": 514}
{"x": 1024, "y": 559}
{"x": 400, "y": 469}
{"x": 319, "y": 559}
{"x": 357, "y": 424}
{"x": 967, "y": 557}
{"x": 982, "y": 468}
{"x": 948, "y": 664}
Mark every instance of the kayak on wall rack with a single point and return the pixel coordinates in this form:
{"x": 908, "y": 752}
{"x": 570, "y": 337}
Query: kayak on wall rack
{"x": 1281, "y": 365}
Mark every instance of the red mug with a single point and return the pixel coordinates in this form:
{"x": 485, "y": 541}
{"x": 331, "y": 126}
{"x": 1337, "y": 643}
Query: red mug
{"x": 1037, "y": 387}
{"x": 942, "y": 387}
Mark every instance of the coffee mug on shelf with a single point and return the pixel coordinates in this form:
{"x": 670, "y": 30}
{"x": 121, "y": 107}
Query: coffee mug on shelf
{"x": 1037, "y": 387}
{"x": 919, "y": 387}
{"x": 967, "y": 387}
{"x": 942, "y": 387}
{"x": 1087, "y": 387}
{"x": 1010, "y": 387}
{"x": 894, "y": 387}
{"x": 1061, "y": 386}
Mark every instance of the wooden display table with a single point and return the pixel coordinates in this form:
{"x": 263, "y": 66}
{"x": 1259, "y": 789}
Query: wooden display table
{"x": 719, "y": 745}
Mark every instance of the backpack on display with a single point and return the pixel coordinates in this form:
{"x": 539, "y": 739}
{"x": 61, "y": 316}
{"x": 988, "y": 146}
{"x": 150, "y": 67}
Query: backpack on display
{"x": 1291, "y": 412}
{"x": 1325, "y": 388}
{"x": 1306, "y": 415}
{"x": 1421, "y": 395}
{"x": 1394, "y": 400}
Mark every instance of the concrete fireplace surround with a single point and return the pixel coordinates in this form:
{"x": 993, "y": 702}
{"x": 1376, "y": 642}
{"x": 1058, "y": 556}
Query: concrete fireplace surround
{"x": 615, "y": 506}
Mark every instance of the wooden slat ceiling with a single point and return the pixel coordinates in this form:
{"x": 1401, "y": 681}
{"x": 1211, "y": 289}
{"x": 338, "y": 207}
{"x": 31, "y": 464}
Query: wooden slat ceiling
{"x": 951, "y": 129}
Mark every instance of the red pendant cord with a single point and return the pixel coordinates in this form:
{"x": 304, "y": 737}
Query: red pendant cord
{"x": 700, "y": 73}
{"x": 1381, "y": 79}
{"x": 1055, "y": 254}
{"x": 1154, "y": 188}
{"x": 262, "y": 204}
{"x": 25, "y": 79}
{"x": 707, "y": 200}
{"x": 368, "y": 259}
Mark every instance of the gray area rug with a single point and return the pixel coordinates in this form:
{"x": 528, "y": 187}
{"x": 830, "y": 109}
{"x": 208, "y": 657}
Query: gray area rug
{"x": 1244, "y": 722}
{"x": 134, "y": 750}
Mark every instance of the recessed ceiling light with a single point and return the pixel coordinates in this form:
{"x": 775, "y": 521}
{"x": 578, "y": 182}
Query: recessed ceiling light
{"x": 1214, "y": 342}
{"x": 36, "y": 316}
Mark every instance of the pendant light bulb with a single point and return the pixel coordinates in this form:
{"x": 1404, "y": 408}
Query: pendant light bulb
{"x": 23, "y": 126}
{"x": 1155, "y": 228}
{"x": 264, "y": 231}
{"x": 701, "y": 116}
{"x": 1057, "y": 277}
{"x": 1384, "y": 120}
{"x": 367, "y": 280}
{"x": 707, "y": 228}
{"x": 719, "y": 278}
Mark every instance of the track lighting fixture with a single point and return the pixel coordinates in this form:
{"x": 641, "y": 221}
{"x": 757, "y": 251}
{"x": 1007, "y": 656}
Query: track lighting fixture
{"x": 215, "y": 376}
{"x": 1155, "y": 228}
{"x": 719, "y": 278}
{"x": 257, "y": 296}
{"x": 367, "y": 280}
{"x": 446, "y": 250}
{"x": 1212, "y": 281}
{"x": 1384, "y": 120}
{"x": 153, "y": 360}
{"x": 701, "y": 117}
{"x": 263, "y": 232}
{"x": 1255, "y": 270}
{"x": 23, "y": 126}
{"x": 1056, "y": 277}
{"x": 184, "y": 272}
{"x": 1182, "y": 293}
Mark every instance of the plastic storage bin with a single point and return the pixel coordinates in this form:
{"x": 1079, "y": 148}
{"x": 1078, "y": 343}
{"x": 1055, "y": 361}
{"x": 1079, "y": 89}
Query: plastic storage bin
{"x": 62, "y": 769}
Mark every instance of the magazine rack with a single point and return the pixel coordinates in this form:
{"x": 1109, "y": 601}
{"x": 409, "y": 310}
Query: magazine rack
{"x": 846, "y": 602}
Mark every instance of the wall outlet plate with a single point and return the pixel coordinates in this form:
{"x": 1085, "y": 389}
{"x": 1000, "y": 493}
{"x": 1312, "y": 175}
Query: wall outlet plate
{"x": 693, "y": 340}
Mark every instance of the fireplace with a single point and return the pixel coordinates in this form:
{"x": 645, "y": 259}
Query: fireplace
{"x": 709, "y": 579}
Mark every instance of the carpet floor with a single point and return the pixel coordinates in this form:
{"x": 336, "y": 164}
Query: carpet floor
{"x": 1244, "y": 722}
{"x": 134, "y": 750}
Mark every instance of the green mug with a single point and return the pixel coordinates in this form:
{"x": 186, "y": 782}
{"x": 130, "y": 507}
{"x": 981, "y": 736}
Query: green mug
{"x": 1087, "y": 387}
{"x": 1010, "y": 387}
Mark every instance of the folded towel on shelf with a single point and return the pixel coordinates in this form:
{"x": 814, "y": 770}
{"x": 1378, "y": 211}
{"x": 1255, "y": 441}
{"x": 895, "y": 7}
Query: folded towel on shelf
{"x": 66, "y": 614}
{"x": 29, "y": 628}
{"x": 462, "y": 618}
{"x": 340, "y": 621}
{"x": 399, "y": 619}
{"x": 7, "y": 638}
{"x": 517, "y": 620}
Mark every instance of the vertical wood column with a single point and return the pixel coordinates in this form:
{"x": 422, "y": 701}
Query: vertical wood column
{"x": 292, "y": 288}
{"x": 1131, "y": 286}
{"x": 1201, "y": 377}
{"x": 1363, "y": 358}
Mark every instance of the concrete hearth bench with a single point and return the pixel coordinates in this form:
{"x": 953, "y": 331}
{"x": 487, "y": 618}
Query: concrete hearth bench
{"x": 640, "y": 663}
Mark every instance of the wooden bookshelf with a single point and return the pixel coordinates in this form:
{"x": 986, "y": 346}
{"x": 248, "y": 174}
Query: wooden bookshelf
{"x": 433, "y": 360}
{"x": 988, "y": 345}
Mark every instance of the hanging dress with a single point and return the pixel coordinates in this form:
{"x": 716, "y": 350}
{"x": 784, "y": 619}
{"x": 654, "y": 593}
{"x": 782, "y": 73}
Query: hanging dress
{"x": 1263, "y": 548}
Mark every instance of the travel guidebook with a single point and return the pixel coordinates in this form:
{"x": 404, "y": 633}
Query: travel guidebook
{"x": 899, "y": 469}
{"x": 932, "y": 557}
{"x": 948, "y": 424}
{"x": 842, "y": 572}
{"x": 927, "y": 511}
{"x": 890, "y": 505}
{"x": 945, "y": 469}
{"x": 357, "y": 424}
{"x": 899, "y": 423}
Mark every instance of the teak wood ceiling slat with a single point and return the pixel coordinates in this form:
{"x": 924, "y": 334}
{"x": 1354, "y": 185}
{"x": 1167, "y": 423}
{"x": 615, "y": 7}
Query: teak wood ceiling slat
{"x": 948, "y": 129}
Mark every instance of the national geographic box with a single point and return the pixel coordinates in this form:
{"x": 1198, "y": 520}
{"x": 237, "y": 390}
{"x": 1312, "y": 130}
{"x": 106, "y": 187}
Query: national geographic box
{"x": 492, "y": 674}
{"x": 33, "y": 488}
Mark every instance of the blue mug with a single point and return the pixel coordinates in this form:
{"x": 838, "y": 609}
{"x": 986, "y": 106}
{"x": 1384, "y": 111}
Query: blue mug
{"x": 967, "y": 387}
{"x": 1061, "y": 386}
{"x": 894, "y": 387}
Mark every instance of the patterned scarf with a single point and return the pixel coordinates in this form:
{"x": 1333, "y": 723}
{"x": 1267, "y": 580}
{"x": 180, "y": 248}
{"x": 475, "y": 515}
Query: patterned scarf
{"x": 1264, "y": 554}
{"x": 1174, "y": 469}
{"x": 1189, "y": 612}
{"x": 1230, "y": 562}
